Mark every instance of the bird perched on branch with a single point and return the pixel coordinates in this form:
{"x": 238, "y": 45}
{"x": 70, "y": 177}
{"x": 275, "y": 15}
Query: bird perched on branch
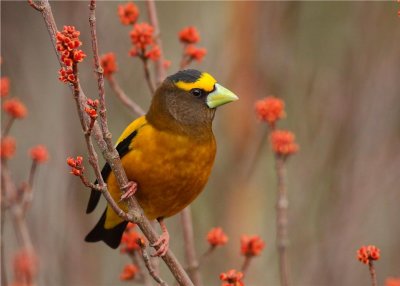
{"x": 168, "y": 154}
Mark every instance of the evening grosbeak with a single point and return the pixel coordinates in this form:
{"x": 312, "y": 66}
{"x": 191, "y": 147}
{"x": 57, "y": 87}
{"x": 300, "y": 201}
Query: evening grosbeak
{"x": 168, "y": 153}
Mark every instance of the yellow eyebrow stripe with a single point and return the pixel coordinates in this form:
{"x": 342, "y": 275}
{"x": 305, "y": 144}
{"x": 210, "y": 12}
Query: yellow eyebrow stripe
{"x": 205, "y": 82}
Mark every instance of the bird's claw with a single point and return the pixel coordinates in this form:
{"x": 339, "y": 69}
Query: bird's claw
{"x": 132, "y": 188}
{"x": 163, "y": 245}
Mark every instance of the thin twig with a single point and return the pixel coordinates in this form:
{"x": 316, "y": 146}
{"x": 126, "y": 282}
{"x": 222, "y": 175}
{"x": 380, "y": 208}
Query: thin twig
{"x": 19, "y": 222}
{"x": 144, "y": 275}
{"x": 27, "y": 189}
{"x": 7, "y": 128}
{"x": 185, "y": 60}
{"x": 246, "y": 264}
{"x": 35, "y": 6}
{"x": 128, "y": 102}
{"x": 146, "y": 259}
{"x": 282, "y": 220}
{"x": 190, "y": 250}
{"x": 152, "y": 13}
{"x": 206, "y": 254}
{"x": 147, "y": 75}
{"x": 372, "y": 272}
{"x": 32, "y": 173}
{"x": 2, "y": 218}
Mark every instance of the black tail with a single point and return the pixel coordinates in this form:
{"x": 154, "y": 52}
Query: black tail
{"x": 95, "y": 194}
{"x": 112, "y": 236}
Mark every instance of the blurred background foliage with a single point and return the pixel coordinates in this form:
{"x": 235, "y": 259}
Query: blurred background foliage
{"x": 336, "y": 65}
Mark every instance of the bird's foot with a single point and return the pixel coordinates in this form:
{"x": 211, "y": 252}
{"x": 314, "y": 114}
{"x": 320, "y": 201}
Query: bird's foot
{"x": 131, "y": 190}
{"x": 162, "y": 242}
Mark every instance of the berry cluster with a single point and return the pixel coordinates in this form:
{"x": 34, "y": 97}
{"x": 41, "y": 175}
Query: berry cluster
{"x": 109, "y": 64}
{"x": 4, "y": 86}
{"x": 232, "y": 278}
{"x": 144, "y": 47}
{"x": 39, "y": 154}
{"x": 270, "y": 110}
{"x": 67, "y": 45}
{"x": 129, "y": 272}
{"x": 129, "y": 244}
{"x": 130, "y": 239}
{"x": 366, "y": 254}
{"x": 217, "y": 237}
{"x": 15, "y": 108}
{"x": 128, "y": 14}
{"x": 91, "y": 109}
{"x": 76, "y": 165}
{"x": 189, "y": 37}
{"x": 7, "y": 147}
{"x": 251, "y": 245}
{"x": 283, "y": 143}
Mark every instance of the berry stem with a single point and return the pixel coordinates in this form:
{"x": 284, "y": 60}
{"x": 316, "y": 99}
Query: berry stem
{"x": 147, "y": 74}
{"x": 372, "y": 273}
{"x": 246, "y": 264}
{"x": 128, "y": 102}
{"x": 282, "y": 220}
{"x": 190, "y": 250}
{"x": 146, "y": 259}
{"x": 152, "y": 13}
{"x": 7, "y": 128}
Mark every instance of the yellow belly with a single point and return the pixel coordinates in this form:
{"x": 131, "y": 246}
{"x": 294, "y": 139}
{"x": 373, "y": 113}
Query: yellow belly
{"x": 170, "y": 170}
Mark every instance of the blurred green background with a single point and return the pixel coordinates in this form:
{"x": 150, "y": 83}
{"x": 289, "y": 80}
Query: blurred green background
{"x": 336, "y": 65}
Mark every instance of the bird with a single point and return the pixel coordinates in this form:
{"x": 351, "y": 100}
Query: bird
{"x": 167, "y": 154}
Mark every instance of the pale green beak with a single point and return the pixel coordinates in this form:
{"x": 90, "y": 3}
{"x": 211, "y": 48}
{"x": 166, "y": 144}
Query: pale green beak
{"x": 220, "y": 96}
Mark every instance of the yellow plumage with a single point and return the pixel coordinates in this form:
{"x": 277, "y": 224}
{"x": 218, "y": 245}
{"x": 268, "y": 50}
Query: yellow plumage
{"x": 171, "y": 170}
{"x": 169, "y": 153}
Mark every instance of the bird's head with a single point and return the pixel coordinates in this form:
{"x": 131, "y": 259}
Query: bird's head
{"x": 188, "y": 99}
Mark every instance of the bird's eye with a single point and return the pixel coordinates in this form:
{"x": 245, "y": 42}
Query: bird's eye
{"x": 196, "y": 92}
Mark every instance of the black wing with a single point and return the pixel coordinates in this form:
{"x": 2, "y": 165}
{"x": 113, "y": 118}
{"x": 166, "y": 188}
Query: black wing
{"x": 112, "y": 237}
{"x": 122, "y": 148}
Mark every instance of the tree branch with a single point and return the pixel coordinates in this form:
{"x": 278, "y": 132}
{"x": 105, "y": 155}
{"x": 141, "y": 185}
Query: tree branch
{"x": 372, "y": 272}
{"x": 147, "y": 262}
{"x": 147, "y": 75}
{"x": 246, "y": 264}
{"x": 152, "y": 14}
{"x": 138, "y": 260}
{"x": 103, "y": 140}
{"x": 128, "y": 102}
{"x": 35, "y": 6}
{"x": 282, "y": 220}
{"x": 190, "y": 250}
{"x": 7, "y": 128}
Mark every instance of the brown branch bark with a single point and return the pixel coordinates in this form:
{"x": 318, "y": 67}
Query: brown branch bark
{"x": 147, "y": 75}
{"x": 21, "y": 230}
{"x": 104, "y": 142}
{"x": 147, "y": 262}
{"x": 121, "y": 95}
{"x": 35, "y": 6}
{"x": 27, "y": 189}
{"x": 246, "y": 264}
{"x": 372, "y": 272}
{"x": 282, "y": 220}
{"x": 7, "y": 128}
{"x": 4, "y": 205}
{"x": 159, "y": 68}
{"x": 190, "y": 250}
{"x": 185, "y": 60}
{"x": 144, "y": 275}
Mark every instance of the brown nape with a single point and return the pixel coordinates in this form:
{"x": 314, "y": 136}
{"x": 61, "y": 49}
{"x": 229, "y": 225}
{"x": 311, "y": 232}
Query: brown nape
{"x": 180, "y": 112}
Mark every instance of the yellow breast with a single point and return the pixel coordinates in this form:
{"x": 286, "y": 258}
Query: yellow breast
{"x": 171, "y": 170}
